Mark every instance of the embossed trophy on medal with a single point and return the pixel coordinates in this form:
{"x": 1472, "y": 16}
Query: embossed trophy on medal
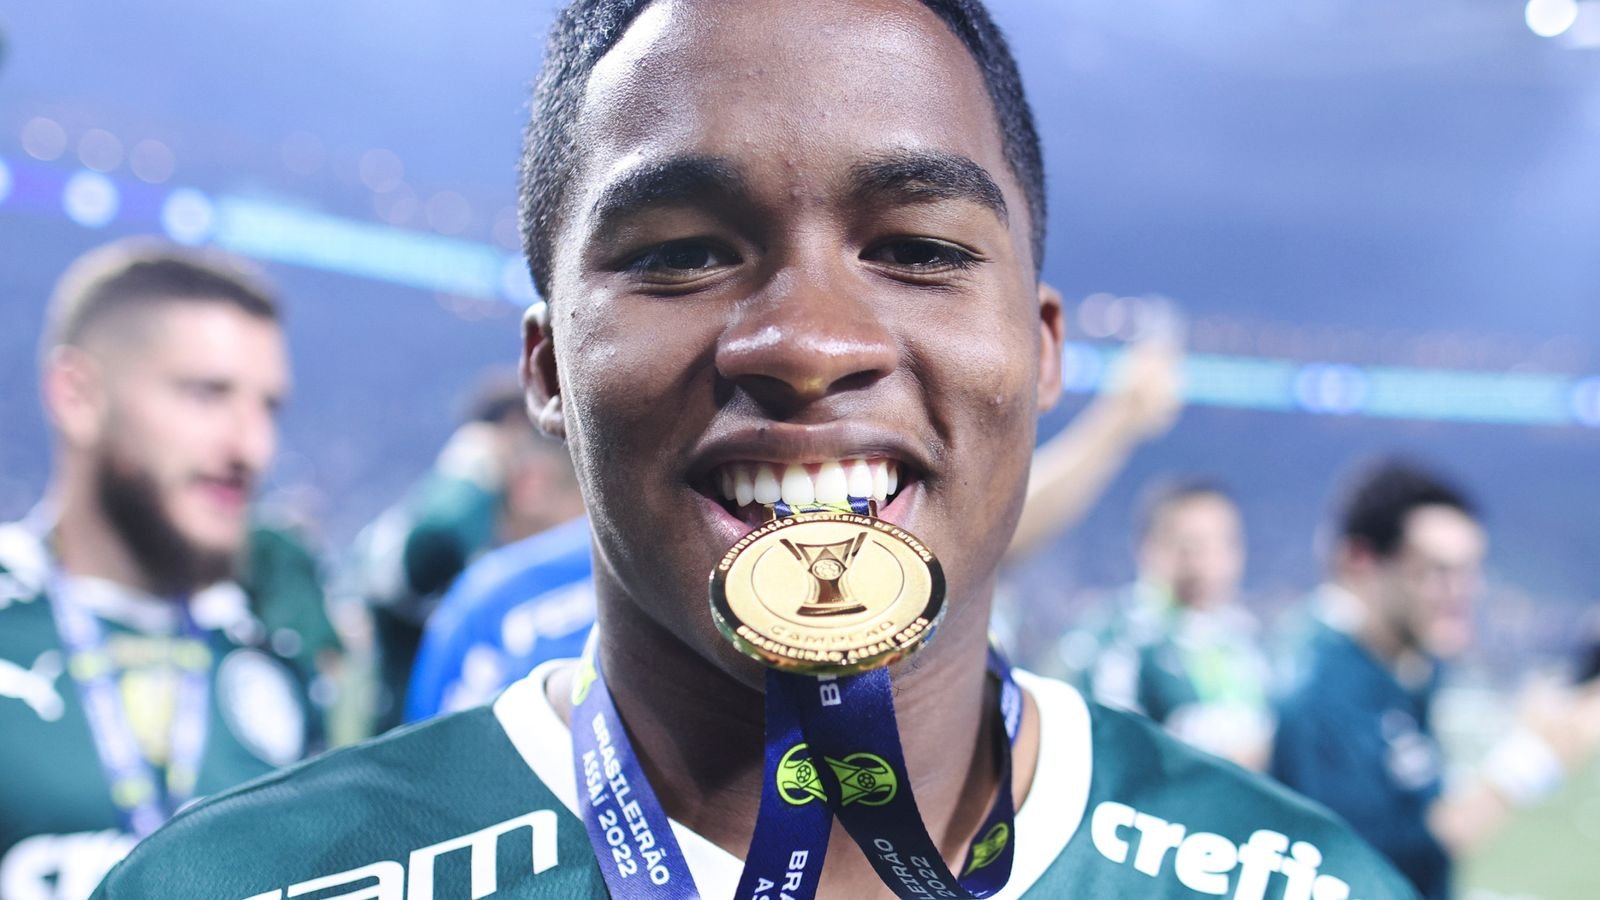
{"x": 828, "y": 564}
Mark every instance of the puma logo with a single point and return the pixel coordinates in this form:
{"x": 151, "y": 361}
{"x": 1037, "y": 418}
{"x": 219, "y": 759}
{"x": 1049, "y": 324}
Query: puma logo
{"x": 35, "y": 686}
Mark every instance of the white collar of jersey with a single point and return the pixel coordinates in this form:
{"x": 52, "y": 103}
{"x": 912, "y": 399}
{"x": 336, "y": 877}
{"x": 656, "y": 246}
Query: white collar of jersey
{"x": 26, "y": 556}
{"x": 124, "y": 605}
{"x": 222, "y": 606}
{"x": 1046, "y": 821}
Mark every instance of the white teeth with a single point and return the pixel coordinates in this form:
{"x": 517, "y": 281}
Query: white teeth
{"x": 797, "y": 486}
{"x": 830, "y": 484}
{"x": 835, "y": 481}
{"x": 767, "y": 489}
{"x": 859, "y": 476}
{"x": 744, "y": 488}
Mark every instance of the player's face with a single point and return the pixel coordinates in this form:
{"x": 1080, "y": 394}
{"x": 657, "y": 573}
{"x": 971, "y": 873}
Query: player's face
{"x": 794, "y": 262}
{"x": 1432, "y": 581}
{"x": 1196, "y": 550}
{"x": 190, "y": 425}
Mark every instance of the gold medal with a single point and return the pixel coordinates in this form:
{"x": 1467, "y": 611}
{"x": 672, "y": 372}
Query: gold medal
{"x": 827, "y": 593}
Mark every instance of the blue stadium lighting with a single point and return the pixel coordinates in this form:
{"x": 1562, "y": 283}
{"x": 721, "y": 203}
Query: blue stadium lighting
{"x": 90, "y": 199}
{"x": 1387, "y": 392}
{"x": 1240, "y": 382}
{"x": 279, "y": 233}
{"x": 516, "y": 282}
{"x": 1586, "y": 401}
{"x": 1082, "y": 367}
{"x": 5, "y": 180}
{"x": 1331, "y": 388}
{"x": 1493, "y": 397}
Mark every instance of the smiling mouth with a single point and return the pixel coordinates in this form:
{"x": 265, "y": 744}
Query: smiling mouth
{"x": 747, "y": 489}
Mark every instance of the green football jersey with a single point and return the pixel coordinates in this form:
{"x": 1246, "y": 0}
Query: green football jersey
{"x": 480, "y": 804}
{"x": 283, "y": 580}
{"x": 1201, "y": 675}
{"x": 59, "y": 830}
{"x": 404, "y": 561}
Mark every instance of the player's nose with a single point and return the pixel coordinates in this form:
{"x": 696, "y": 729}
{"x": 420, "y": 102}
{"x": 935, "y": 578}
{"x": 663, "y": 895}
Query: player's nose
{"x": 810, "y": 334}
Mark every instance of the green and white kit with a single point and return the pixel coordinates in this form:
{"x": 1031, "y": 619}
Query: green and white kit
{"x": 480, "y": 804}
{"x": 60, "y": 829}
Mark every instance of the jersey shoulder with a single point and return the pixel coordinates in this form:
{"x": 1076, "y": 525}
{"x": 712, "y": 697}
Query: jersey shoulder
{"x": 1163, "y": 818}
{"x": 24, "y": 566}
{"x": 29, "y": 649}
{"x": 437, "y": 806}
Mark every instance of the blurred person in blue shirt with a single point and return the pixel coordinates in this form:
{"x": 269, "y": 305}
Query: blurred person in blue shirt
{"x": 1357, "y": 733}
{"x": 515, "y": 607}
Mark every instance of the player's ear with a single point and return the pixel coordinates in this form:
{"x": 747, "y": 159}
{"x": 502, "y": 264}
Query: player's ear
{"x": 74, "y": 392}
{"x": 539, "y": 379}
{"x": 1051, "y": 336}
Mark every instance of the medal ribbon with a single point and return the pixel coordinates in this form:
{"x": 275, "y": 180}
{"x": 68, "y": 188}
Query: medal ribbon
{"x": 142, "y": 802}
{"x": 848, "y": 724}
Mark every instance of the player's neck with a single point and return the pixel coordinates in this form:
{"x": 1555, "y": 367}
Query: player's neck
{"x": 699, "y": 735}
{"x": 86, "y": 544}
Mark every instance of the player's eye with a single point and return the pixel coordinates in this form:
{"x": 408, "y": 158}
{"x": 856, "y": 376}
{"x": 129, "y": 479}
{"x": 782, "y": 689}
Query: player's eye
{"x": 923, "y": 256}
{"x": 681, "y": 260}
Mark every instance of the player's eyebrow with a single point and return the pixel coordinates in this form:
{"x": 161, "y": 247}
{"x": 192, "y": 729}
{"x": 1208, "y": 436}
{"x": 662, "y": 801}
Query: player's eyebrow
{"x": 675, "y": 180}
{"x": 925, "y": 176}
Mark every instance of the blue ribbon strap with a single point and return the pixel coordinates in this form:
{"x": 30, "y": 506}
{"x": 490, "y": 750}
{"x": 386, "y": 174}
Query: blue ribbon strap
{"x": 143, "y": 801}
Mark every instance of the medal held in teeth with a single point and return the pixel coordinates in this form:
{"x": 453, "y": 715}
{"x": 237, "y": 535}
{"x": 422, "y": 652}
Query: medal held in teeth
{"x": 828, "y": 593}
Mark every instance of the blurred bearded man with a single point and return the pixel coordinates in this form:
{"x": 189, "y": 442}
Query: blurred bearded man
{"x": 129, "y": 683}
{"x": 796, "y": 341}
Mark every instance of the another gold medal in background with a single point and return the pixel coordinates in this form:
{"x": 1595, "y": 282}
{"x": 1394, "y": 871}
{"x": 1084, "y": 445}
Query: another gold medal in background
{"x": 828, "y": 593}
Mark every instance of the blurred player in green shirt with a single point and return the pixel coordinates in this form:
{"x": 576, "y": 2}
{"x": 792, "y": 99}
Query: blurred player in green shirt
{"x": 133, "y": 676}
{"x": 495, "y": 482}
{"x": 1177, "y": 645}
{"x": 1358, "y": 730}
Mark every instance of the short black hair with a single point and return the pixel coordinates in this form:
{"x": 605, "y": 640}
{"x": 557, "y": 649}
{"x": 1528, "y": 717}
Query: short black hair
{"x": 143, "y": 272}
{"x": 1373, "y": 509}
{"x": 587, "y": 29}
{"x": 1160, "y": 496}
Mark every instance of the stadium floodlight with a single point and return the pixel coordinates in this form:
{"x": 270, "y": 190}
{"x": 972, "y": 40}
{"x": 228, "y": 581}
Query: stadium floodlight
{"x": 1551, "y": 18}
{"x": 90, "y": 199}
{"x": 188, "y": 216}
